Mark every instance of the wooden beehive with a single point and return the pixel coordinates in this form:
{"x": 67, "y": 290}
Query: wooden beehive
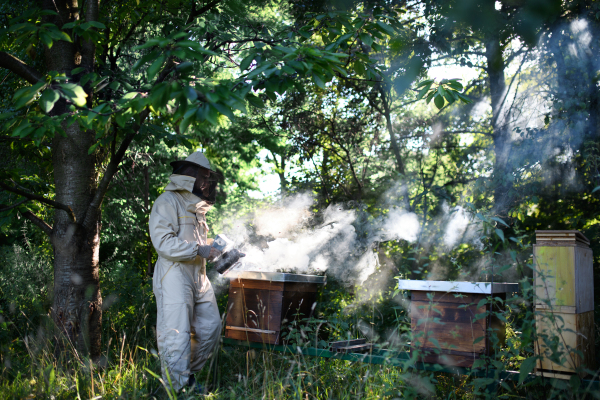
{"x": 574, "y": 334}
{"x": 564, "y": 302}
{"x": 448, "y": 325}
{"x": 260, "y": 303}
{"x": 564, "y": 277}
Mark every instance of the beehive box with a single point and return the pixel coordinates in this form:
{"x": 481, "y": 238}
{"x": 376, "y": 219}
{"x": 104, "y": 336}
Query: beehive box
{"x": 564, "y": 276}
{"x": 564, "y": 302}
{"x": 260, "y": 303}
{"x": 447, "y": 325}
{"x": 574, "y": 341}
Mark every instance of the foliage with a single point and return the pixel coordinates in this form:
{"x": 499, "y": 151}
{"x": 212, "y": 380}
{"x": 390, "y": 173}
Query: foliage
{"x": 325, "y": 90}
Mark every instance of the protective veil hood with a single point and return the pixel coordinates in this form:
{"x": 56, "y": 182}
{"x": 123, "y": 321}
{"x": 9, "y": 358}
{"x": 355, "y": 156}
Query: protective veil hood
{"x": 185, "y": 185}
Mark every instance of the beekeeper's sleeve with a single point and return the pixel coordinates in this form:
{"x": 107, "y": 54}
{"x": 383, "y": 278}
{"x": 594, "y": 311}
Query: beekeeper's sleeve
{"x": 164, "y": 226}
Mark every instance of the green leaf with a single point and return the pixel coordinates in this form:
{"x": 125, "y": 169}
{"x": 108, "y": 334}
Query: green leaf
{"x": 286, "y": 50}
{"x": 366, "y": 38}
{"x": 427, "y": 82}
{"x": 448, "y": 96}
{"x": 288, "y": 70}
{"x": 464, "y": 98}
{"x": 298, "y": 66}
{"x": 212, "y": 115}
{"x": 185, "y": 67}
{"x": 91, "y": 149}
{"x": 46, "y": 39}
{"x": 59, "y": 35}
{"x": 153, "y": 69}
{"x": 345, "y": 37}
{"x": 257, "y": 71}
{"x": 130, "y": 95}
{"x": 318, "y": 80}
{"x": 185, "y": 123}
{"x": 441, "y": 90}
{"x": 430, "y": 96}
{"x": 500, "y": 234}
{"x": 526, "y": 368}
{"x": 423, "y": 91}
{"x": 455, "y": 85}
{"x": 438, "y": 101}
{"x": 385, "y": 27}
{"x": 6, "y": 115}
{"x": 478, "y": 339}
{"x": 246, "y": 62}
{"x": 190, "y": 93}
{"x": 96, "y": 24}
{"x": 255, "y": 101}
{"x": 359, "y": 67}
{"x": 499, "y": 220}
{"x": 596, "y": 188}
{"x": 47, "y": 100}
{"x": 223, "y": 109}
{"x": 74, "y": 93}
{"x": 24, "y": 96}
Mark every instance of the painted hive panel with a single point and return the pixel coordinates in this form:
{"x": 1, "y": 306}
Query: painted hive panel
{"x": 258, "y": 309}
{"x": 446, "y": 326}
{"x": 569, "y": 334}
{"x": 554, "y": 276}
{"x": 584, "y": 279}
{"x": 254, "y": 311}
{"x": 450, "y": 328}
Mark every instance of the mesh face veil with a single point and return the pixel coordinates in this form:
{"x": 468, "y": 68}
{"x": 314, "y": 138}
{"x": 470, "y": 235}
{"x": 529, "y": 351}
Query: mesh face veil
{"x": 205, "y": 186}
{"x": 206, "y": 183}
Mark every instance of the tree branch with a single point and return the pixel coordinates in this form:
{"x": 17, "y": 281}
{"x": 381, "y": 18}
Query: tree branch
{"x": 38, "y": 221}
{"x": 17, "y": 66}
{"x": 6, "y": 208}
{"x": 195, "y": 13}
{"x": 41, "y": 199}
{"x": 113, "y": 165}
{"x": 111, "y": 170}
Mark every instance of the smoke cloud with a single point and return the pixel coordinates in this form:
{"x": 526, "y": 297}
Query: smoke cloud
{"x": 338, "y": 241}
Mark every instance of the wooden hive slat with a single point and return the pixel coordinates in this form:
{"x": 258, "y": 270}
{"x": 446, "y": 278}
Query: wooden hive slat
{"x": 563, "y": 277}
{"x": 258, "y": 308}
{"x": 575, "y": 333}
{"x": 448, "y": 328}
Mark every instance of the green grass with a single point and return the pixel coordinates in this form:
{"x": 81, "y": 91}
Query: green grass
{"x": 234, "y": 373}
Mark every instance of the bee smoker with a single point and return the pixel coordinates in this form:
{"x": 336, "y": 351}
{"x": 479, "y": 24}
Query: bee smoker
{"x": 229, "y": 258}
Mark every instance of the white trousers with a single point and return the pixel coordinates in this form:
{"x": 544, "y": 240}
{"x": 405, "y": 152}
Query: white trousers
{"x": 188, "y": 322}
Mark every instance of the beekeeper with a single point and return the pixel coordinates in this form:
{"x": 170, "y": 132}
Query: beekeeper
{"x": 188, "y": 322}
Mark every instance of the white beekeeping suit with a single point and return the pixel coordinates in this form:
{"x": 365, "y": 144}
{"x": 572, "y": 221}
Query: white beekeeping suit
{"x": 188, "y": 323}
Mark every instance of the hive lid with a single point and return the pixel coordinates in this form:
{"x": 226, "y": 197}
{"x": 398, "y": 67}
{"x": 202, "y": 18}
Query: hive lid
{"x": 458, "y": 287}
{"x": 277, "y": 277}
{"x": 565, "y": 236}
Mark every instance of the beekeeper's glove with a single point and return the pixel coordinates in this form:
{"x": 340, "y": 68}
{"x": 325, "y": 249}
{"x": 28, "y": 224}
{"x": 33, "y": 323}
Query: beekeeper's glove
{"x": 208, "y": 252}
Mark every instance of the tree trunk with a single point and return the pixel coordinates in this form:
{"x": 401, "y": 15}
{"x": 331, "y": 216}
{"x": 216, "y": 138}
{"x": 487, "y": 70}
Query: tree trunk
{"x": 77, "y": 304}
{"x": 502, "y": 173}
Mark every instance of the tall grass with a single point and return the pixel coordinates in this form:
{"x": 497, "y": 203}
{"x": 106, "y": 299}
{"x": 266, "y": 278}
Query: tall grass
{"x": 31, "y": 367}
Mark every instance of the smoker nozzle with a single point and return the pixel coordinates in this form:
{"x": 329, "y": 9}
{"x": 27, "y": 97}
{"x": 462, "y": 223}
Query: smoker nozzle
{"x": 228, "y": 260}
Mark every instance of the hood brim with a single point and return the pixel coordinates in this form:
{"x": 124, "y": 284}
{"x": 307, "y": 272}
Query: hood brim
{"x": 179, "y": 163}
